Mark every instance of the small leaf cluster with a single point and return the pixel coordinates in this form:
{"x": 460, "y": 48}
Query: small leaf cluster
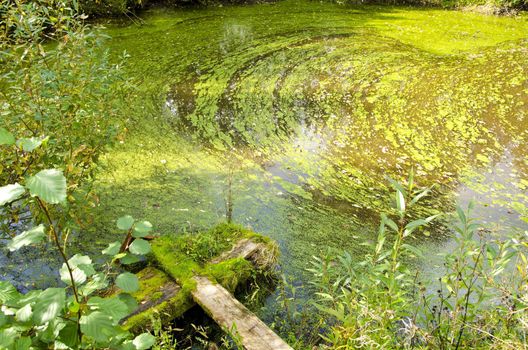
{"x": 72, "y": 317}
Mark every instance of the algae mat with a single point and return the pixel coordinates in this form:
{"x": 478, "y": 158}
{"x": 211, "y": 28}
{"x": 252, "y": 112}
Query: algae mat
{"x": 298, "y": 110}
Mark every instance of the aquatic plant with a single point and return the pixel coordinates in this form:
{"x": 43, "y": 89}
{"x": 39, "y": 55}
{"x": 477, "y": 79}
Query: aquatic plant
{"x": 305, "y": 117}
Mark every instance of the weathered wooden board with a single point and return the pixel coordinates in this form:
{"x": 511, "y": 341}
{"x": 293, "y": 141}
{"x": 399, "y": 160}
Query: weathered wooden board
{"x": 234, "y": 317}
{"x": 159, "y": 294}
{"x": 245, "y": 248}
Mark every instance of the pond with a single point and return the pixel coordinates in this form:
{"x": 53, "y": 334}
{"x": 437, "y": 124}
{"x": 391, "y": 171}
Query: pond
{"x": 291, "y": 115}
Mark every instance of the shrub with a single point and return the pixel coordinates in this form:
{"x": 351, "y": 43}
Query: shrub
{"x": 110, "y": 7}
{"x": 480, "y": 300}
{"x": 57, "y": 80}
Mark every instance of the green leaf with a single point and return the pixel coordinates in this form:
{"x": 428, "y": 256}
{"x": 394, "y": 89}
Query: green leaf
{"x": 142, "y": 229}
{"x": 7, "y": 292}
{"x": 81, "y": 266}
{"x": 112, "y": 249}
{"x": 129, "y": 301}
{"x": 7, "y": 337}
{"x": 82, "y": 262}
{"x": 416, "y": 223}
{"x": 97, "y": 282}
{"x": 420, "y": 195}
{"x": 400, "y": 201}
{"x": 50, "y": 332}
{"x": 29, "y": 298}
{"x": 23, "y": 343}
{"x": 397, "y": 186}
{"x": 29, "y": 145}
{"x": 79, "y": 276}
{"x": 127, "y": 345}
{"x": 113, "y": 307}
{"x": 49, "y": 305}
{"x": 139, "y": 246}
{"x": 68, "y": 335}
{"x": 431, "y": 218}
{"x": 125, "y": 222}
{"x": 6, "y": 138}
{"x": 10, "y": 193}
{"x": 49, "y": 185}
{"x": 389, "y": 222}
{"x": 35, "y": 235}
{"x": 128, "y": 282}
{"x": 98, "y": 326}
{"x": 144, "y": 341}
{"x": 129, "y": 259}
{"x": 24, "y": 314}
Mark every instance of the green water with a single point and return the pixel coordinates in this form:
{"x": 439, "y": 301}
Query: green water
{"x": 306, "y": 107}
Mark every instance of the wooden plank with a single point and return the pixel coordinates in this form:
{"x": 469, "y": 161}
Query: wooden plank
{"x": 244, "y": 248}
{"x": 232, "y": 316}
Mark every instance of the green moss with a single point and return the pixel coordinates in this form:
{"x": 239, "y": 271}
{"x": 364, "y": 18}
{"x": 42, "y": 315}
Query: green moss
{"x": 186, "y": 255}
{"x": 183, "y": 256}
{"x": 166, "y": 311}
{"x": 168, "y": 253}
{"x": 151, "y": 281}
{"x": 230, "y": 273}
{"x": 156, "y": 296}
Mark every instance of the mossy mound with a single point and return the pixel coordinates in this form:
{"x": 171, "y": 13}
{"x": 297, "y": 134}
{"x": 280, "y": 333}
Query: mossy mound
{"x": 184, "y": 256}
{"x": 219, "y": 254}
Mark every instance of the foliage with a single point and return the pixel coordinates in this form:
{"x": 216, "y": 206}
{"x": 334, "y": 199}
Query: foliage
{"x": 59, "y": 114}
{"x": 205, "y": 335}
{"x": 32, "y": 21}
{"x": 42, "y": 93}
{"x": 110, "y": 7}
{"x": 295, "y": 317}
{"x": 71, "y": 317}
{"x": 480, "y": 298}
{"x": 496, "y": 7}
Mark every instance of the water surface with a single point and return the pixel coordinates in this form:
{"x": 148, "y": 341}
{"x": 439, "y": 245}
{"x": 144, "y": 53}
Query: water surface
{"x": 305, "y": 108}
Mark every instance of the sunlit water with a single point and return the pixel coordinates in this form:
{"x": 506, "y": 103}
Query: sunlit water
{"x": 310, "y": 107}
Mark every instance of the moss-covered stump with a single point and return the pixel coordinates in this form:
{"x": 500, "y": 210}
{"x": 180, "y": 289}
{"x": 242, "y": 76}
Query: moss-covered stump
{"x": 159, "y": 296}
{"x": 228, "y": 254}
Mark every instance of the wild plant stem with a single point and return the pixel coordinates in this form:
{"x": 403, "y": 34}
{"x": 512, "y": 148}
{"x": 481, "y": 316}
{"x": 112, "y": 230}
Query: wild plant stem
{"x": 466, "y": 305}
{"x": 126, "y": 242}
{"x": 46, "y": 212}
